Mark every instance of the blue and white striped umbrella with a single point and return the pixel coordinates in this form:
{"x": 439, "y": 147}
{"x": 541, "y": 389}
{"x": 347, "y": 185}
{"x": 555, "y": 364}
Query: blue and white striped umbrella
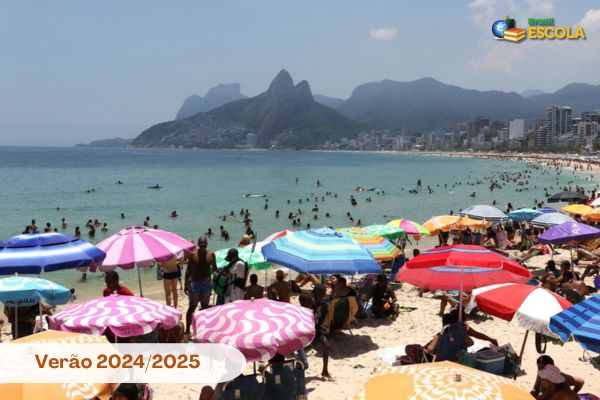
{"x": 37, "y": 252}
{"x": 524, "y": 214}
{"x": 321, "y": 251}
{"x": 582, "y": 321}
{"x": 551, "y": 219}
{"x": 482, "y": 211}
{"x": 20, "y": 291}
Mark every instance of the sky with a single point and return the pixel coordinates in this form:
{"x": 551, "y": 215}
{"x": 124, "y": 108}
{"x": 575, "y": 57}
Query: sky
{"x": 76, "y": 71}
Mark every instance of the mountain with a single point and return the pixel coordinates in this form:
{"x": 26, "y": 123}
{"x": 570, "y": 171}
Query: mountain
{"x": 115, "y": 142}
{"x": 285, "y": 114}
{"x": 215, "y": 97}
{"x": 427, "y": 104}
{"x": 332, "y": 102}
{"x": 579, "y": 96}
{"x": 531, "y": 92}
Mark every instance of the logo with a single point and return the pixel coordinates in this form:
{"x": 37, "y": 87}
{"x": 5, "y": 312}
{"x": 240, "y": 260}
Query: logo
{"x": 538, "y": 29}
{"x": 506, "y": 29}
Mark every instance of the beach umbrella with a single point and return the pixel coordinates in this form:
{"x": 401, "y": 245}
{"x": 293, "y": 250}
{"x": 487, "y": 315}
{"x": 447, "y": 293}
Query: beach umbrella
{"x": 592, "y": 216}
{"x": 461, "y": 267}
{"x": 20, "y": 291}
{"x": 577, "y": 209}
{"x": 482, "y": 211}
{"x": 378, "y": 246}
{"x": 409, "y": 227}
{"x": 255, "y": 260}
{"x": 321, "y": 251}
{"x": 55, "y": 391}
{"x": 259, "y": 328}
{"x": 33, "y": 253}
{"x": 595, "y": 202}
{"x": 547, "y": 210}
{"x": 126, "y": 316}
{"x": 141, "y": 246}
{"x": 582, "y": 321}
{"x": 533, "y": 306}
{"x": 467, "y": 222}
{"x": 570, "y": 197}
{"x": 551, "y": 219}
{"x": 386, "y": 231}
{"x": 524, "y": 214}
{"x": 441, "y": 223}
{"x": 439, "y": 380}
{"x": 569, "y": 232}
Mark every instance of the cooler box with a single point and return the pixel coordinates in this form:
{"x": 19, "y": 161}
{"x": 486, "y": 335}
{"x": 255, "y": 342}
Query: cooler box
{"x": 490, "y": 361}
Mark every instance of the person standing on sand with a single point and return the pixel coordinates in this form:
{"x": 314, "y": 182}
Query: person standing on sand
{"x": 198, "y": 283}
{"x": 171, "y": 275}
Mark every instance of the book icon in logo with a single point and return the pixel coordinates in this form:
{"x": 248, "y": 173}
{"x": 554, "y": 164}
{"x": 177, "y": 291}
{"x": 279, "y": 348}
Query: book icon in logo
{"x": 515, "y": 35}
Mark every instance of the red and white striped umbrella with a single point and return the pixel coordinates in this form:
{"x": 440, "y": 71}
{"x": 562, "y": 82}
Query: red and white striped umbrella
{"x": 141, "y": 246}
{"x": 533, "y": 305}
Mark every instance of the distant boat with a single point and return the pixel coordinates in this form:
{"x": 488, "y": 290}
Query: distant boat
{"x": 157, "y": 186}
{"x": 255, "y": 195}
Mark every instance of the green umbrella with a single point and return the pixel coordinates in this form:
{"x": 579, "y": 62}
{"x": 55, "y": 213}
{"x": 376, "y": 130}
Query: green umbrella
{"x": 386, "y": 231}
{"x": 257, "y": 261}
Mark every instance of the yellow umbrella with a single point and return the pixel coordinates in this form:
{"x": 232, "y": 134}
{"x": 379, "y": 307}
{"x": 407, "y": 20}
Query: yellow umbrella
{"x": 593, "y": 215}
{"x": 467, "y": 222}
{"x": 57, "y": 391}
{"x": 577, "y": 209}
{"x": 440, "y": 380}
{"x": 441, "y": 223}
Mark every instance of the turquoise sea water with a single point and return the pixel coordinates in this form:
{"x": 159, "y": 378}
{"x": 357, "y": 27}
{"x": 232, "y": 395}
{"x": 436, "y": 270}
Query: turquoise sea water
{"x": 202, "y": 185}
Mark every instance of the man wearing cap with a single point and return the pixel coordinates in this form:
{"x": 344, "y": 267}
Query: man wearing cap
{"x": 236, "y": 277}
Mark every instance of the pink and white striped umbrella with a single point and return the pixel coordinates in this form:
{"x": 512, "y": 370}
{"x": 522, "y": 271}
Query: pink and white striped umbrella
{"x": 139, "y": 245}
{"x": 125, "y": 316}
{"x": 258, "y": 328}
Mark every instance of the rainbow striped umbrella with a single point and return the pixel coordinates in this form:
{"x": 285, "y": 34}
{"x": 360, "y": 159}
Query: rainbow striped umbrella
{"x": 255, "y": 260}
{"x": 409, "y": 227}
{"x": 321, "y": 251}
{"x": 386, "y": 231}
{"x": 378, "y": 246}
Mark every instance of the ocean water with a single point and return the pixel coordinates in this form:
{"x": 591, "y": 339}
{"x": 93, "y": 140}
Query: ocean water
{"x": 202, "y": 185}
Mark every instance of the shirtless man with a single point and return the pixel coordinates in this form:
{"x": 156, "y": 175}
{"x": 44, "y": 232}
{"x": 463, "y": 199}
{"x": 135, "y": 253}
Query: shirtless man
{"x": 198, "y": 283}
{"x": 171, "y": 275}
{"x": 281, "y": 287}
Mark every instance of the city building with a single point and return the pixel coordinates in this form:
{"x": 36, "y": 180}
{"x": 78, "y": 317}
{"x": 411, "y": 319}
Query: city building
{"x": 558, "y": 122}
{"x": 516, "y": 128}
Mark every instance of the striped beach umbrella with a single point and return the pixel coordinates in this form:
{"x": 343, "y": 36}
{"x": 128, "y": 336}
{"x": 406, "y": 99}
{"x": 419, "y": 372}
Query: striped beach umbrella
{"x": 386, "y": 231}
{"x": 551, "y": 219}
{"x": 409, "y": 227}
{"x": 483, "y": 211}
{"x": 126, "y": 316}
{"x": 321, "y": 251}
{"x": 378, "y": 246}
{"x": 33, "y": 253}
{"x": 582, "y": 321}
{"x": 255, "y": 260}
{"x": 258, "y": 328}
{"x": 439, "y": 380}
{"x": 524, "y": 214}
{"x": 17, "y": 291}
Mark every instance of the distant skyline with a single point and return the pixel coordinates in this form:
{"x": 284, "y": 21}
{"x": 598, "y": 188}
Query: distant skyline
{"x": 72, "y": 72}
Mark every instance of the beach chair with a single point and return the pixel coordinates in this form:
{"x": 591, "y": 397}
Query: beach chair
{"x": 285, "y": 381}
{"x": 244, "y": 387}
{"x": 341, "y": 313}
{"x": 451, "y": 343}
{"x": 365, "y": 292}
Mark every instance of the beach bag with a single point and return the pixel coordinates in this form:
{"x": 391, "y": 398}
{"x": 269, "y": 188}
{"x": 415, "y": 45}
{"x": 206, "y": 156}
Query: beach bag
{"x": 467, "y": 359}
{"x": 220, "y": 281}
{"x": 244, "y": 387}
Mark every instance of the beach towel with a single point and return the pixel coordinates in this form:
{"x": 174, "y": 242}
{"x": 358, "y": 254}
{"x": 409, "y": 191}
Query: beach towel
{"x": 341, "y": 313}
{"x": 388, "y": 355}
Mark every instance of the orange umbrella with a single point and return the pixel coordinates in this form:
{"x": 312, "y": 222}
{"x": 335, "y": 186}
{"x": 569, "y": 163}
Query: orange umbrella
{"x": 57, "y": 391}
{"x": 441, "y": 223}
{"x": 593, "y": 215}
{"x": 440, "y": 380}
{"x": 467, "y": 222}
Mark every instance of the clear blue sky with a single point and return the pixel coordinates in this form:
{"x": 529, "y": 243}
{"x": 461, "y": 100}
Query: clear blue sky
{"x": 74, "y": 71}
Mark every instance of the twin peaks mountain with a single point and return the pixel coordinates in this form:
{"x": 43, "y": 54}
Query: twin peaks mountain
{"x": 289, "y": 116}
{"x": 285, "y": 114}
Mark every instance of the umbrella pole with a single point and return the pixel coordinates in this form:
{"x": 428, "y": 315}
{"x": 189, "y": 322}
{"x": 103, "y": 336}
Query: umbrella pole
{"x": 16, "y": 322}
{"x": 140, "y": 281}
{"x": 460, "y": 295}
{"x": 521, "y": 354}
